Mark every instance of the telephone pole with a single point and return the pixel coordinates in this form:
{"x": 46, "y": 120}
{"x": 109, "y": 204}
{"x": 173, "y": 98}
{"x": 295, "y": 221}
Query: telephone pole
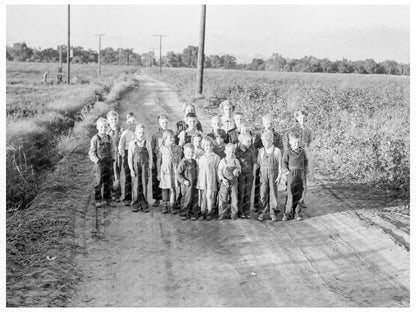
{"x": 200, "y": 73}
{"x": 99, "y": 52}
{"x": 69, "y": 44}
{"x": 160, "y": 52}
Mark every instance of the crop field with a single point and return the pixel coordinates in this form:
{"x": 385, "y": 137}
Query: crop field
{"x": 360, "y": 123}
{"x": 39, "y": 114}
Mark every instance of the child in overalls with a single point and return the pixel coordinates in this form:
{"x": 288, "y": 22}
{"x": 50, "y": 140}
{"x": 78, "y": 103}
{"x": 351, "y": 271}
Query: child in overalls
{"x": 270, "y": 162}
{"x": 101, "y": 154}
{"x": 228, "y": 171}
{"x": 168, "y": 159}
{"x": 115, "y": 132}
{"x": 277, "y": 141}
{"x": 295, "y": 165}
{"x": 138, "y": 159}
{"x": 248, "y": 161}
{"x": 155, "y": 144}
{"x": 186, "y": 174}
{"x": 123, "y": 147}
{"x": 207, "y": 182}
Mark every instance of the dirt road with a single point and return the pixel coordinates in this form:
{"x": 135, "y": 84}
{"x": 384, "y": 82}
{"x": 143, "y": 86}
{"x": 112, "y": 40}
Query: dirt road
{"x": 341, "y": 254}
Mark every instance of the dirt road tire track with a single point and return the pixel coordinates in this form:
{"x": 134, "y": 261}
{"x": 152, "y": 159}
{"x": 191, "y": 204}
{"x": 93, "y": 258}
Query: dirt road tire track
{"x": 333, "y": 258}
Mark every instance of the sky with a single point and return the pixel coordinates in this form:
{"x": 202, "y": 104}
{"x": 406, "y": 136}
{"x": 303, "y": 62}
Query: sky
{"x": 355, "y": 32}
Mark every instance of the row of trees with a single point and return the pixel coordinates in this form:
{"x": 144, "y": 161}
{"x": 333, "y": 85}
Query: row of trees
{"x": 188, "y": 58}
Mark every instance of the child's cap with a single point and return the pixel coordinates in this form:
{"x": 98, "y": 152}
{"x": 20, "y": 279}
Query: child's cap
{"x": 220, "y": 133}
{"x": 267, "y": 135}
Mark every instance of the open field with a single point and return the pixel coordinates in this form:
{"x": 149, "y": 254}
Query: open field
{"x": 40, "y": 114}
{"x": 360, "y": 123}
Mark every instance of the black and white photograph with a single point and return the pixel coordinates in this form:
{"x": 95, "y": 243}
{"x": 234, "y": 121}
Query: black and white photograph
{"x": 207, "y": 154}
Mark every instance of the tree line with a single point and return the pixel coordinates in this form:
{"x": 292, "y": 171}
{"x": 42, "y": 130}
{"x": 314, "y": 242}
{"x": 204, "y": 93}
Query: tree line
{"x": 188, "y": 58}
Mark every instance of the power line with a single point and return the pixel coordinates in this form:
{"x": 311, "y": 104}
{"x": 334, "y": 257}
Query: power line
{"x": 160, "y": 52}
{"x": 99, "y": 52}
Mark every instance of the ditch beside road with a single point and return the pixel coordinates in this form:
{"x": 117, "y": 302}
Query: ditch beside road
{"x": 351, "y": 249}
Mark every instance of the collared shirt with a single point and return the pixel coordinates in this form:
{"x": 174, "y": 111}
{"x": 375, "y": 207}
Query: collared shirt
{"x": 100, "y": 147}
{"x": 295, "y": 160}
{"x": 304, "y": 133}
{"x": 126, "y": 137}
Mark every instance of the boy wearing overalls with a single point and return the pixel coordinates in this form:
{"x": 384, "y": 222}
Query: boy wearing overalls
{"x": 138, "y": 160}
{"x": 101, "y": 154}
{"x": 115, "y": 132}
{"x": 270, "y": 162}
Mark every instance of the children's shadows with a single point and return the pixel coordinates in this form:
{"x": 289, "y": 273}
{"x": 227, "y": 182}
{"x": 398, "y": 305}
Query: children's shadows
{"x": 323, "y": 199}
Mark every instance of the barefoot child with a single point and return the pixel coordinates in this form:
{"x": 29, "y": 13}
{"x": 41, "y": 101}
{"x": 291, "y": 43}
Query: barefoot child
{"x": 101, "y": 155}
{"x": 207, "y": 182}
{"x": 138, "y": 159}
{"x": 186, "y": 175}
{"x": 155, "y": 143}
{"x": 228, "y": 171}
{"x": 115, "y": 132}
{"x": 269, "y": 160}
{"x": 295, "y": 165}
{"x": 168, "y": 159}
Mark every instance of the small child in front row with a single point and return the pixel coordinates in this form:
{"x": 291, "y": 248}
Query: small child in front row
{"x": 228, "y": 171}
{"x": 115, "y": 132}
{"x": 247, "y": 157}
{"x": 138, "y": 159}
{"x": 101, "y": 154}
{"x": 207, "y": 182}
{"x": 186, "y": 174}
{"x": 295, "y": 165}
{"x": 168, "y": 159}
{"x": 269, "y": 160}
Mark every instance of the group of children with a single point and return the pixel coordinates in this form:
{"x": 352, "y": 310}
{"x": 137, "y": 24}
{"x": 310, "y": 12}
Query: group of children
{"x": 200, "y": 175}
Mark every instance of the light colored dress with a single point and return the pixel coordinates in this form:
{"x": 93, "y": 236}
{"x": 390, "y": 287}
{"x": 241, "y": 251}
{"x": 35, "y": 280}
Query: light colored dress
{"x": 207, "y": 175}
{"x": 170, "y": 158}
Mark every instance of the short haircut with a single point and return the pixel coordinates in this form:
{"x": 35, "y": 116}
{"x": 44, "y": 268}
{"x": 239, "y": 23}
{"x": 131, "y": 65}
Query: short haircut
{"x": 244, "y": 136}
{"x": 208, "y": 140}
{"x": 188, "y": 146}
{"x": 227, "y": 103}
{"x": 298, "y": 113}
{"x": 220, "y": 133}
{"x": 130, "y": 115}
{"x": 131, "y": 120}
{"x": 230, "y": 145}
{"x": 294, "y": 136}
{"x": 267, "y": 117}
{"x": 112, "y": 113}
{"x": 162, "y": 116}
{"x": 101, "y": 120}
{"x": 191, "y": 115}
{"x": 167, "y": 133}
{"x": 267, "y": 135}
{"x": 188, "y": 105}
{"x": 196, "y": 135}
{"x": 141, "y": 126}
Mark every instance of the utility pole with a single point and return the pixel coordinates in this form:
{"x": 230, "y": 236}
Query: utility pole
{"x": 160, "y": 52}
{"x": 99, "y": 52}
{"x": 200, "y": 73}
{"x": 69, "y": 45}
